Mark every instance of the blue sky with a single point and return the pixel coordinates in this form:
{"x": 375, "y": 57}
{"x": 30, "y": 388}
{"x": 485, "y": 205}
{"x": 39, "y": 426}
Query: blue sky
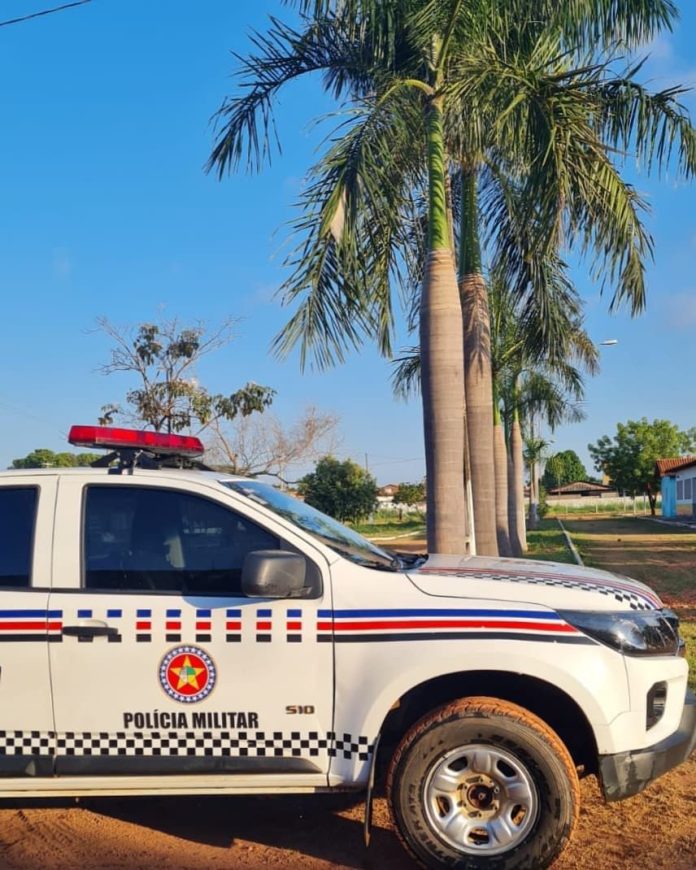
{"x": 105, "y": 210}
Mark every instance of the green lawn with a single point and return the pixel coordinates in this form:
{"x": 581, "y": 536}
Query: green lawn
{"x": 389, "y": 525}
{"x": 547, "y": 543}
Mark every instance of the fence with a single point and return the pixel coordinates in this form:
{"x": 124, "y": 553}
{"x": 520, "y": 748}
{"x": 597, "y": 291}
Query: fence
{"x": 621, "y": 505}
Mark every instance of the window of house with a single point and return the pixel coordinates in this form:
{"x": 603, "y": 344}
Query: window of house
{"x": 687, "y": 489}
{"x": 680, "y": 490}
{"x": 17, "y": 520}
{"x": 146, "y": 539}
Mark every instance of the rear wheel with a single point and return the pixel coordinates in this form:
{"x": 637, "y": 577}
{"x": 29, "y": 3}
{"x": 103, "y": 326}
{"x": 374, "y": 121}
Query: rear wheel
{"x": 483, "y": 783}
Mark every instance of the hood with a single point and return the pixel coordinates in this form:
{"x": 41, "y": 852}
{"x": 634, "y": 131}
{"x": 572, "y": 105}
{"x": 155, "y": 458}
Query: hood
{"x": 550, "y": 584}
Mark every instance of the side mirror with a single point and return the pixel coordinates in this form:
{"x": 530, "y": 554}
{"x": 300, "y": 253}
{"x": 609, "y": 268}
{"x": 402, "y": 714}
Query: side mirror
{"x": 273, "y": 574}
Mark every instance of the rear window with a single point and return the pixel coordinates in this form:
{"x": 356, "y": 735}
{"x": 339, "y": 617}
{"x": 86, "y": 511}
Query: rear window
{"x": 17, "y": 520}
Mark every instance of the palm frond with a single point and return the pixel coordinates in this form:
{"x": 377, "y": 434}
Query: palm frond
{"x": 245, "y": 121}
{"x": 345, "y": 285}
{"x": 406, "y": 375}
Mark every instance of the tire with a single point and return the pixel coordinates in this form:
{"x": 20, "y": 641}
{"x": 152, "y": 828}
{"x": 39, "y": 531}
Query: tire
{"x": 483, "y": 784}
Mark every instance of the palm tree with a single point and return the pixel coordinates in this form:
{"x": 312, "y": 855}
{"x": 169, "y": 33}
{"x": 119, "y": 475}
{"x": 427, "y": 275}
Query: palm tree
{"x": 541, "y": 109}
{"x": 497, "y": 86}
{"x": 535, "y": 381}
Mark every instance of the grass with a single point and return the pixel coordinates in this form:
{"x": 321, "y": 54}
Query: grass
{"x": 662, "y": 557}
{"x": 548, "y": 543}
{"x": 389, "y": 525}
{"x": 688, "y": 632}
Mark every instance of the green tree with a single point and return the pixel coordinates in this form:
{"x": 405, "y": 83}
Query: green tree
{"x": 522, "y": 95}
{"x": 563, "y": 467}
{"x": 629, "y": 457}
{"x": 163, "y": 357}
{"x": 410, "y": 493}
{"x": 44, "y": 458}
{"x": 343, "y": 490}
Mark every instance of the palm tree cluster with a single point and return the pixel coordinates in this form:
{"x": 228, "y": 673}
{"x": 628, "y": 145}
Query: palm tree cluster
{"x": 470, "y": 131}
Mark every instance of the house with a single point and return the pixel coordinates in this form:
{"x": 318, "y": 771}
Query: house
{"x": 678, "y": 484}
{"x": 385, "y": 496}
{"x": 582, "y": 488}
{"x": 388, "y": 491}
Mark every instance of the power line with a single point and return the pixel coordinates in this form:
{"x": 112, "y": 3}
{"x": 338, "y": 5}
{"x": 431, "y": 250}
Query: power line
{"x": 43, "y": 12}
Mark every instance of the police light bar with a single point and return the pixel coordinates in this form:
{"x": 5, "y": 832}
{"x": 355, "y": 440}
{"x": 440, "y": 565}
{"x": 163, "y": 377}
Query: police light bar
{"x": 111, "y": 438}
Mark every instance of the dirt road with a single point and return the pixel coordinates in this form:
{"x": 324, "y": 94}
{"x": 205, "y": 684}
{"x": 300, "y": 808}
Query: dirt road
{"x": 656, "y": 829}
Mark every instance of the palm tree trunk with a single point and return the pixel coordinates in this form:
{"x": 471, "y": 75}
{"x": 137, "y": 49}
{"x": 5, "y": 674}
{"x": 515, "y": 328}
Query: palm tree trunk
{"x": 477, "y": 368}
{"x": 517, "y": 517}
{"x": 515, "y": 543}
{"x": 442, "y": 356}
{"x": 501, "y": 486}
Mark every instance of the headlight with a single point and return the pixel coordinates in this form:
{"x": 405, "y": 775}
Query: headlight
{"x": 633, "y": 632}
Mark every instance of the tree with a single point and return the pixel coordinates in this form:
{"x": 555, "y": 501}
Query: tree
{"x": 163, "y": 357}
{"x": 536, "y": 374}
{"x": 44, "y": 458}
{"x": 629, "y": 457}
{"x": 536, "y": 377}
{"x": 561, "y": 468}
{"x": 355, "y": 45}
{"x": 263, "y": 445}
{"x": 410, "y": 493}
{"x": 343, "y": 490}
{"x": 509, "y": 91}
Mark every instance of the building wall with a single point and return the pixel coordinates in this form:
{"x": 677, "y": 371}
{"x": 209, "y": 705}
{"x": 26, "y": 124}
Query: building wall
{"x": 685, "y": 488}
{"x": 669, "y": 496}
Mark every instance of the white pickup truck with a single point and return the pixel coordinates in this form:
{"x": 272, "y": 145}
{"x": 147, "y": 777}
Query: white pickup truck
{"x": 165, "y": 630}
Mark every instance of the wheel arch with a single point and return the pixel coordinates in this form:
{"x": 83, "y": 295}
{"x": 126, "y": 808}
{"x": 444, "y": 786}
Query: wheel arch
{"x": 550, "y": 703}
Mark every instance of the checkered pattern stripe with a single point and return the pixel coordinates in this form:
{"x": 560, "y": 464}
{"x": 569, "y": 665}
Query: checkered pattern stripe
{"x": 635, "y": 601}
{"x": 242, "y": 744}
{"x": 27, "y": 743}
{"x": 349, "y": 747}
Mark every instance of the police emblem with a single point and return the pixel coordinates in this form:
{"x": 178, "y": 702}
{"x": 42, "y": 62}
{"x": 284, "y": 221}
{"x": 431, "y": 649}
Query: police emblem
{"x": 187, "y": 674}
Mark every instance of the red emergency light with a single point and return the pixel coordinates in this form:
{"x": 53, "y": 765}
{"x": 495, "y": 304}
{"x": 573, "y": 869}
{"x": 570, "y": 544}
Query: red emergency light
{"x": 112, "y": 438}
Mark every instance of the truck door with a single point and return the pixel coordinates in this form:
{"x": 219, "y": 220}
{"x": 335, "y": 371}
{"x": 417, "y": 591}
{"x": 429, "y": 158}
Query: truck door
{"x": 165, "y": 666}
{"x": 26, "y": 626}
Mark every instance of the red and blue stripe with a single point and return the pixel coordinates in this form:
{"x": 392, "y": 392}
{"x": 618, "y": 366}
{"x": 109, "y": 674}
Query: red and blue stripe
{"x": 407, "y": 624}
{"x": 30, "y": 625}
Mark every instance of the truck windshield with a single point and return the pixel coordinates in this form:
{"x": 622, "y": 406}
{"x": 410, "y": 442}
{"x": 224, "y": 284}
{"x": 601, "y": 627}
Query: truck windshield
{"x": 341, "y": 539}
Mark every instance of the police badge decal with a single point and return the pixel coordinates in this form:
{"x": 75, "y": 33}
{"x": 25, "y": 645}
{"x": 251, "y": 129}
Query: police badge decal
{"x": 187, "y": 674}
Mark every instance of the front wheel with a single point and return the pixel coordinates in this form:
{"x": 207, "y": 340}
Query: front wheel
{"x": 483, "y": 783}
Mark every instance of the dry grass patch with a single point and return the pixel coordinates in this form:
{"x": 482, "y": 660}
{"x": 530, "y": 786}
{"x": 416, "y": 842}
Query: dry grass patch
{"x": 662, "y": 557}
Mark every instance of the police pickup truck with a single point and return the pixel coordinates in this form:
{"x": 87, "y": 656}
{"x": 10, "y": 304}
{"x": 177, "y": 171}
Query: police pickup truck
{"x": 168, "y": 630}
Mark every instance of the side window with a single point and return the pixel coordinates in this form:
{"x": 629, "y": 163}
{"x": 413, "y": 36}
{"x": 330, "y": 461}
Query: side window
{"x": 17, "y": 520}
{"x": 145, "y": 539}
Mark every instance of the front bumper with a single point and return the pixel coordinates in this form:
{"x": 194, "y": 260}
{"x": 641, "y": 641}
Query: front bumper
{"x": 627, "y": 773}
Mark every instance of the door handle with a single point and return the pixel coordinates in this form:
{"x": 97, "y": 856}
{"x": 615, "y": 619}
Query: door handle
{"x": 90, "y": 628}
